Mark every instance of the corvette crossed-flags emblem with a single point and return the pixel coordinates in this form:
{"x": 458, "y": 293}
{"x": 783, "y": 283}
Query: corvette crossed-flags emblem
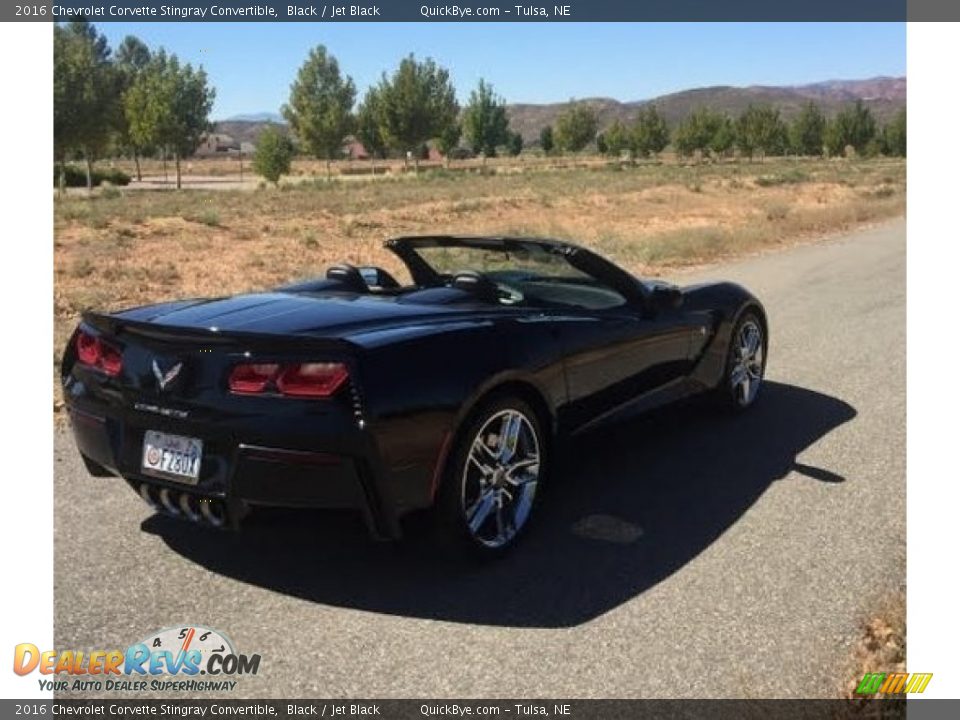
{"x": 165, "y": 378}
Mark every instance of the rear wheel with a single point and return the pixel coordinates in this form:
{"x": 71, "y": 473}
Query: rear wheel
{"x": 491, "y": 486}
{"x": 746, "y": 363}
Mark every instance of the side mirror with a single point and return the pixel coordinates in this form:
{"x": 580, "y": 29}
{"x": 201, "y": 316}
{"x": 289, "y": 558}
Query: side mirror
{"x": 666, "y": 297}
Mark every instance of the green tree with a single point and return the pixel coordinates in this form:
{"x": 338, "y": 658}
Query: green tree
{"x": 320, "y": 104}
{"x": 71, "y": 94}
{"x": 546, "y": 139}
{"x": 168, "y": 106}
{"x": 418, "y": 102}
{"x": 485, "y": 123}
{"x": 273, "y": 155}
{"x": 85, "y": 94}
{"x": 619, "y": 138}
{"x": 806, "y": 131}
{"x": 651, "y": 134}
{"x": 515, "y": 144}
{"x": 132, "y": 52}
{"x": 854, "y": 127}
{"x": 131, "y": 58}
{"x": 449, "y": 139}
{"x": 696, "y": 133}
{"x": 895, "y": 135}
{"x": 368, "y": 125}
{"x": 723, "y": 138}
{"x": 576, "y": 127}
{"x": 602, "y": 143}
{"x": 761, "y": 129}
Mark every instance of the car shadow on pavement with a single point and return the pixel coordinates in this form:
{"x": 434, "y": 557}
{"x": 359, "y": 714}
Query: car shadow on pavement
{"x": 629, "y": 505}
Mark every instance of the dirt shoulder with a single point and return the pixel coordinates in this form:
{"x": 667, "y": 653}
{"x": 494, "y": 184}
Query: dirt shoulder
{"x": 124, "y": 248}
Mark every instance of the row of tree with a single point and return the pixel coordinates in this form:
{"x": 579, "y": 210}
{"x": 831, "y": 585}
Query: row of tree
{"x": 414, "y": 105}
{"x": 138, "y": 102}
{"x": 758, "y": 130}
{"x": 417, "y": 103}
{"x": 133, "y": 101}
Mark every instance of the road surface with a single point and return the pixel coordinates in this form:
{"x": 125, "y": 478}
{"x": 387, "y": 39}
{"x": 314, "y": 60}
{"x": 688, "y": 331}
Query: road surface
{"x": 683, "y": 554}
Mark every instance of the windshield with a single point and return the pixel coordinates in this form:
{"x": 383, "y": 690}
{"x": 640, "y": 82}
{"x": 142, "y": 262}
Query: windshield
{"x": 522, "y": 272}
{"x": 521, "y": 261}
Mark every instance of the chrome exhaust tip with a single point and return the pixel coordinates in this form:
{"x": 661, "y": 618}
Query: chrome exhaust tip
{"x": 147, "y": 495}
{"x": 213, "y": 511}
{"x": 187, "y": 506}
{"x": 168, "y": 503}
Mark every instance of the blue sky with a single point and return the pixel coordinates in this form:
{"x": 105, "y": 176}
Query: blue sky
{"x": 252, "y": 64}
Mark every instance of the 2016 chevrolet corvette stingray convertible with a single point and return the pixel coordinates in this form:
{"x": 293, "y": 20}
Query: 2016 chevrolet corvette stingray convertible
{"x": 355, "y": 391}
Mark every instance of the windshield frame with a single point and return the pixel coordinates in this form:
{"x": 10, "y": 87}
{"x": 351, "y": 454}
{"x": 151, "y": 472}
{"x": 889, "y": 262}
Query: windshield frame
{"x": 580, "y": 259}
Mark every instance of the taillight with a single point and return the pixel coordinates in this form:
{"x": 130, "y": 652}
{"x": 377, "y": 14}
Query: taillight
{"x": 252, "y": 378}
{"x": 95, "y": 353}
{"x": 307, "y": 380}
{"x": 311, "y": 379}
{"x": 111, "y": 361}
{"x": 88, "y": 348}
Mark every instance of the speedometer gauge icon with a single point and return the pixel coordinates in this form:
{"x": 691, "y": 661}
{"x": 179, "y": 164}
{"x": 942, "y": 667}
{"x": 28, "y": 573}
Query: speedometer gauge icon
{"x": 184, "y": 638}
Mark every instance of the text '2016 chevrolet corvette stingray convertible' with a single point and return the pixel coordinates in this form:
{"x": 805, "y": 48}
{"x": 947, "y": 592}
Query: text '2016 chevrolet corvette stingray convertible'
{"x": 355, "y": 391}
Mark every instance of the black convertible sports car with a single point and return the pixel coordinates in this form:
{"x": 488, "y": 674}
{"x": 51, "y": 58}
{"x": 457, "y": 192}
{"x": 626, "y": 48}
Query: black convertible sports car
{"x": 354, "y": 391}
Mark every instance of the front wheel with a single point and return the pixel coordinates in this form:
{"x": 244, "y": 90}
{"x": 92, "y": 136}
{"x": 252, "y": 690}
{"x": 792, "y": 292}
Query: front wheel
{"x": 490, "y": 489}
{"x": 746, "y": 363}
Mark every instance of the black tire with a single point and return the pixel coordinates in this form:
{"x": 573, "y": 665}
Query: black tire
{"x": 465, "y": 488}
{"x": 731, "y": 393}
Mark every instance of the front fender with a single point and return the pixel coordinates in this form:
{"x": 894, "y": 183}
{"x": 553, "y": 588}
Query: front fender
{"x": 725, "y": 302}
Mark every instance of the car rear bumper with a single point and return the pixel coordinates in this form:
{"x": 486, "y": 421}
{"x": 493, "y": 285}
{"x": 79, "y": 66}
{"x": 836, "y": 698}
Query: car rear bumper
{"x": 244, "y": 466}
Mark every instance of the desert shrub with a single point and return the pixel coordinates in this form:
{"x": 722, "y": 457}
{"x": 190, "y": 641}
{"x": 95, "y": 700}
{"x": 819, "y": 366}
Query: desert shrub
{"x": 82, "y": 268}
{"x": 273, "y": 156}
{"x": 788, "y": 177}
{"x": 460, "y": 153}
{"x": 76, "y": 176}
{"x": 777, "y": 211}
{"x": 209, "y": 218}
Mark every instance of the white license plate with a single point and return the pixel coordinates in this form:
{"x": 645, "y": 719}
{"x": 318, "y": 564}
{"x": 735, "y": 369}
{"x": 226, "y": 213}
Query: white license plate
{"x": 172, "y": 456}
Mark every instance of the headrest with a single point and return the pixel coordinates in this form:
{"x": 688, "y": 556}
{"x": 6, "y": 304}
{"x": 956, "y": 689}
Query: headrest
{"x": 348, "y": 276}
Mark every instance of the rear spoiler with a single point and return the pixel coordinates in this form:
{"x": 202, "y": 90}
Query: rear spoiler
{"x": 116, "y": 326}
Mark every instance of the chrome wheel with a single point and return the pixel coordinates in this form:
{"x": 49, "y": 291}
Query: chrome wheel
{"x": 499, "y": 479}
{"x": 747, "y": 363}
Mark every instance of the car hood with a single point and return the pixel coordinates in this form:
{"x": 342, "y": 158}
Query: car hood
{"x": 279, "y": 313}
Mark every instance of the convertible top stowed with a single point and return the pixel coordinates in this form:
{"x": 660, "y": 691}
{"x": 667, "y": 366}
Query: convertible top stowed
{"x": 356, "y": 391}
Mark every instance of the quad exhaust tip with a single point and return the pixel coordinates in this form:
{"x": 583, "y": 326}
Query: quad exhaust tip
{"x": 213, "y": 512}
{"x": 147, "y": 496}
{"x": 168, "y": 503}
{"x": 186, "y": 505}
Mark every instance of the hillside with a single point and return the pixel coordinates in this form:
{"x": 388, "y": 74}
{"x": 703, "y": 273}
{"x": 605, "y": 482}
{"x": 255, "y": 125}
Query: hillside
{"x": 883, "y": 95}
{"x": 246, "y": 130}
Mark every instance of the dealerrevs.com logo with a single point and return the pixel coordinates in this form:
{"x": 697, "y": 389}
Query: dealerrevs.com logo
{"x": 187, "y": 658}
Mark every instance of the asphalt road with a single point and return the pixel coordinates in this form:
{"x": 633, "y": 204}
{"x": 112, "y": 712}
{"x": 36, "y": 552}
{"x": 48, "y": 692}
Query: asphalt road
{"x": 688, "y": 553}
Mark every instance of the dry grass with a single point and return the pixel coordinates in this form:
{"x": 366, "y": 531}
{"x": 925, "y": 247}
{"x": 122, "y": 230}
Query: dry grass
{"x": 230, "y": 166}
{"x": 882, "y": 647}
{"x": 136, "y": 247}
{"x": 883, "y": 642}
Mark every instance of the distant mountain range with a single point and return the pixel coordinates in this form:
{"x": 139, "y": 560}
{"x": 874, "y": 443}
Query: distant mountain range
{"x": 883, "y": 95}
{"x": 256, "y": 117}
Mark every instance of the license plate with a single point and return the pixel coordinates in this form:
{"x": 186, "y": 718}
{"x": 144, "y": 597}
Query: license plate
{"x": 172, "y": 456}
